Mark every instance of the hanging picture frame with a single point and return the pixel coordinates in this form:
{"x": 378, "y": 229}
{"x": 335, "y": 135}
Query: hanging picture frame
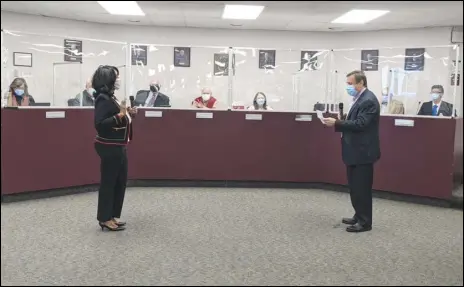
{"x": 22, "y": 59}
{"x": 181, "y": 57}
{"x": 72, "y": 51}
{"x": 139, "y": 55}
{"x": 414, "y": 59}
{"x": 369, "y": 60}
{"x": 267, "y": 59}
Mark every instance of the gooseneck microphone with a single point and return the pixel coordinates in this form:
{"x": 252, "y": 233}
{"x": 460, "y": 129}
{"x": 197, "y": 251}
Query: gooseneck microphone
{"x": 340, "y": 110}
{"x": 131, "y": 99}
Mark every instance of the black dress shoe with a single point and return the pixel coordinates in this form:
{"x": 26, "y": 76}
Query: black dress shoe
{"x": 349, "y": 221}
{"x": 358, "y": 228}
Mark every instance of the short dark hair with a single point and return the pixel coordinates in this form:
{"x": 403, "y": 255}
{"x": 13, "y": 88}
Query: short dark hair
{"x": 438, "y": 87}
{"x": 358, "y": 77}
{"x": 104, "y": 78}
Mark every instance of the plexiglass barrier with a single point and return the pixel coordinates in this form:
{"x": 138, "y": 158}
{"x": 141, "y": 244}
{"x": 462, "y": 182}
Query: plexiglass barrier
{"x": 402, "y": 79}
{"x": 268, "y": 72}
{"x": 182, "y": 75}
{"x": 312, "y": 81}
{"x": 54, "y": 71}
{"x": 287, "y": 80}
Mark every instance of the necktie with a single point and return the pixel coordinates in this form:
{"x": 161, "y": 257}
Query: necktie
{"x": 152, "y": 101}
{"x": 434, "y": 110}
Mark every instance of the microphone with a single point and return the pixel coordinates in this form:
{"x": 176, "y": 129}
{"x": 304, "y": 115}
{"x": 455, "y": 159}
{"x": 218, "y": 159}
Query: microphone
{"x": 340, "y": 110}
{"x": 132, "y": 103}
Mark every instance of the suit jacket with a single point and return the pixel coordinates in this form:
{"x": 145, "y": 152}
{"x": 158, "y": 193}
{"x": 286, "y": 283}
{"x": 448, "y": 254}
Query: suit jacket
{"x": 360, "y": 138}
{"x": 87, "y": 100}
{"x": 161, "y": 100}
{"x": 446, "y": 109}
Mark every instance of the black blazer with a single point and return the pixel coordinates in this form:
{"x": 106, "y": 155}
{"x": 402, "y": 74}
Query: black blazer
{"x": 111, "y": 129}
{"x": 446, "y": 109}
{"x": 161, "y": 100}
{"x": 360, "y": 138}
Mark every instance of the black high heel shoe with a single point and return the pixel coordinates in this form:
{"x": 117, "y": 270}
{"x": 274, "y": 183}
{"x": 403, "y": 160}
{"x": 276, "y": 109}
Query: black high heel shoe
{"x": 120, "y": 223}
{"x": 104, "y": 226}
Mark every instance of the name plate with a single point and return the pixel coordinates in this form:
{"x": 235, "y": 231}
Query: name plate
{"x": 55, "y": 115}
{"x": 404, "y": 123}
{"x": 153, "y": 114}
{"x": 253, "y": 117}
{"x": 204, "y": 115}
{"x": 303, "y": 118}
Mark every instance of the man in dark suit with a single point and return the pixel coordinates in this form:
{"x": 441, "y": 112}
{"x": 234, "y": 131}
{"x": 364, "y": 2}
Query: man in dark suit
{"x": 436, "y": 107}
{"x": 87, "y": 96}
{"x": 360, "y": 148}
{"x": 152, "y": 97}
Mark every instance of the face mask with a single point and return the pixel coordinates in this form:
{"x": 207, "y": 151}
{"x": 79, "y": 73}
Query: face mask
{"x": 260, "y": 101}
{"x": 19, "y": 92}
{"x": 435, "y": 96}
{"x": 205, "y": 97}
{"x": 91, "y": 91}
{"x": 154, "y": 88}
{"x": 351, "y": 90}
{"x": 117, "y": 84}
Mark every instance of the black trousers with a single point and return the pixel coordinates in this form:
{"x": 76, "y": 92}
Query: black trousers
{"x": 360, "y": 180}
{"x": 113, "y": 171}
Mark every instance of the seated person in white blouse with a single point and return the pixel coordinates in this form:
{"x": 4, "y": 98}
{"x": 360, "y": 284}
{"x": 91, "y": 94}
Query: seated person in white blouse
{"x": 260, "y": 103}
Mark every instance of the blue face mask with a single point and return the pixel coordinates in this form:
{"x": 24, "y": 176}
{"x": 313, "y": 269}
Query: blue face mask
{"x": 19, "y": 92}
{"x": 435, "y": 96}
{"x": 351, "y": 90}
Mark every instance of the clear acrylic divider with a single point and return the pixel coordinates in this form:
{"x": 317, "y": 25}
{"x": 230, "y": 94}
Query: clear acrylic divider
{"x": 401, "y": 78}
{"x": 98, "y": 53}
{"x": 55, "y": 69}
{"x": 273, "y": 73}
{"x": 181, "y": 72}
{"x": 312, "y": 81}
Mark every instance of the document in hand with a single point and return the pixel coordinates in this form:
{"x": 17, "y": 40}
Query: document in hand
{"x": 320, "y": 115}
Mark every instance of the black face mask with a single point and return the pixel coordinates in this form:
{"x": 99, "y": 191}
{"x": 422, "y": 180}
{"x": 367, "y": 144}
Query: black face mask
{"x": 154, "y": 88}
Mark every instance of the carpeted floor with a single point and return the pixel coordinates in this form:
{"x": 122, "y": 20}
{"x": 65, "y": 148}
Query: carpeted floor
{"x": 229, "y": 237}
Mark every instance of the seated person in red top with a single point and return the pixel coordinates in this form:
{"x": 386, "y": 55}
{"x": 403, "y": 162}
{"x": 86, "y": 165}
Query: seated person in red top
{"x": 206, "y": 101}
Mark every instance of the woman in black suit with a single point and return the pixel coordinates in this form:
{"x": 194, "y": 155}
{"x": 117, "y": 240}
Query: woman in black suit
{"x": 113, "y": 122}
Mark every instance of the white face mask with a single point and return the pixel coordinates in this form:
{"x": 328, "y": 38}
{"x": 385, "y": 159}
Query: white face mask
{"x": 260, "y": 101}
{"x": 205, "y": 97}
{"x": 91, "y": 91}
{"x": 435, "y": 96}
{"x": 117, "y": 84}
